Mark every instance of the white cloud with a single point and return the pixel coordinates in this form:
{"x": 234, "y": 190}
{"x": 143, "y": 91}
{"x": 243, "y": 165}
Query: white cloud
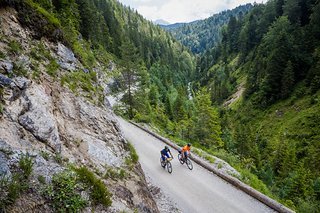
{"x": 182, "y": 10}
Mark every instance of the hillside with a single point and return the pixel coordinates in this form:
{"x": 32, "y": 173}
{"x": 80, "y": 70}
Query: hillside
{"x": 250, "y": 96}
{"x": 202, "y": 35}
{"x": 272, "y": 56}
{"x": 59, "y": 150}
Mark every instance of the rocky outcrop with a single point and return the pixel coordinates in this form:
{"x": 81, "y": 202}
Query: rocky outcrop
{"x": 46, "y": 121}
{"x": 66, "y": 58}
{"x": 4, "y": 168}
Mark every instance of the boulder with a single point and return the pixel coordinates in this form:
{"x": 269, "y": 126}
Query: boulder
{"x": 42, "y": 126}
{"x": 66, "y": 54}
{"x": 22, "y": 82}
{"x": 4, "y": 168}
{"x": 5, "y": 81}
{"x": 101, "y": 152}
{"x": 38, "y": 118}
{"x": 67, "y": 66}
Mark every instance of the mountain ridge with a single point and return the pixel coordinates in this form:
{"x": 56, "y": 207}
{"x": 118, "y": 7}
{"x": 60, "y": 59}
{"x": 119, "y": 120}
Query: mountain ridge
{"x": 201, "y": 35}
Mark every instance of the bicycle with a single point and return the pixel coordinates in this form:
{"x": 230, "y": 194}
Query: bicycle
{"x": 167, "y": 164}
{"x": 185, "y": 160}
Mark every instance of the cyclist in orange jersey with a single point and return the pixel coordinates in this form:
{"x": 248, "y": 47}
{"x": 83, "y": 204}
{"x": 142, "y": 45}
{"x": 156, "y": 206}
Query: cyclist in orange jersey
{"x": 185, "y": 151}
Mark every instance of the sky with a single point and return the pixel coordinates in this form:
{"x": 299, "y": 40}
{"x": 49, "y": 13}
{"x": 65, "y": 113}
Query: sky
{"x": 174, "y": 11}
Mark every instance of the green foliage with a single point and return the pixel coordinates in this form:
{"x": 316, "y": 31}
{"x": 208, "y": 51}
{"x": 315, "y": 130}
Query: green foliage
{"x": 63, "y": 193}
{"x": 39, "y": 52}
{"x": 210, "y": 159}
{"x": 58, "y": 158}
{"x": 207, "y": 129}
{"x": 45, "y": 155}
{"x": 115, "y": 174}
{"x": 80, "y": 81}
{"x": 82, "y": 51}
{"x": 10, "y": 189}
{"x": 129, "y": 59}
{"x": 2, "y": 55}
{"x": 26, "y": 164}
{"x": 50, "y": 17}
{"x": 14, "y": 47}
{"x": 99, "y": 194}
{"x": 205, "y": 34}
{"x": 133, "y": 157}
{"x": 52, "y": 68}
{"x": 254, "y": 182}
{"x": 1, "y": 108}
{"x": 281, "y": 140}
{"x": 41, "y": 179}
{"x": 19, "y": 69}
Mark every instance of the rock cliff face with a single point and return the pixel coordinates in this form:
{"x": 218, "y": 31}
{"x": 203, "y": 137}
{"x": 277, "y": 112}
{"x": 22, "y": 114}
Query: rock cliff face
{"x": 44, "y": 120}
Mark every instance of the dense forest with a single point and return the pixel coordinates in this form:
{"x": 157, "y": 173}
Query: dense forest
{"x": 272, "y": 54}
{"x": 268, "y": 53}
{"x": 202, "y": 35}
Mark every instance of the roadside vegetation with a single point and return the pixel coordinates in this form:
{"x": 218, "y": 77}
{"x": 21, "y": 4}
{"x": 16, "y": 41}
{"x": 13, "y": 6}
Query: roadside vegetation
{"x": 11, "y": 187}
{"x": 271, "y": 134}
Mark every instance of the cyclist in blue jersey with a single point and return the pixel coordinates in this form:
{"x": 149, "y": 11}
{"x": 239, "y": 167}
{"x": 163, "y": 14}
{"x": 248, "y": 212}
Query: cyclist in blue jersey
{"x": 165, "y": 153}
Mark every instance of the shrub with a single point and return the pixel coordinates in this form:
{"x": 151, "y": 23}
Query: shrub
{"x": 211, "y": 159}
{"x": 41, "y": 179}
{"x": 115, "y": 174}
{"x": 133, "y": 158}
{"x": 52, "y": 68}
{"x": 45, "y": 155}
{"x": 254, "y": 182}
{"x": 26, "y": 164}
{"x": 10, "y": 189}
{"x": 58, "y": 158}
{"x": 1, "y": 108}
{"x": 64, "y": 193}
{"x": 99, "y": 193}
{"x": 51, "y": 19}
{"x": 2, "y": 55}
{"x": 14, "y": 47}
{"x": 81, "y": 80}
{"x": 82, "y": 50}
{"x": 19, "y": 70}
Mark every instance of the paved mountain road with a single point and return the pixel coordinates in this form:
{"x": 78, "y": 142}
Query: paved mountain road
{"x": 193, "y": 191}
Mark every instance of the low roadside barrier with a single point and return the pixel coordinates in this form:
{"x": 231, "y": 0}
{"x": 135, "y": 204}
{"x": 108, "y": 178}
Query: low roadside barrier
{"x": 232, "y": 180}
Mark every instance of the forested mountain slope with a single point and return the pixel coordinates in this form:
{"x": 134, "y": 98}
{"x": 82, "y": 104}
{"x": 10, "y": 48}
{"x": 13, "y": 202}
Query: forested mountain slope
{"x": 272, "y": 54}
{"x": 56, "y": 61}
{"x": 270, "y": 134}
{"x": 202, "y": 35}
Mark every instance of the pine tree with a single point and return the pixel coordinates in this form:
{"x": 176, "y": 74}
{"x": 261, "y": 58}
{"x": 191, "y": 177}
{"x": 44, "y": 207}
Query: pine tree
{"x": 130, "y": 61}
{"x": 287, "y": 80}
{"x": 206, "y": 124}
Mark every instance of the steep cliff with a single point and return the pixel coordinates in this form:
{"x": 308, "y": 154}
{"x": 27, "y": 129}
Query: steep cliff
{"x": 50, "y": 132}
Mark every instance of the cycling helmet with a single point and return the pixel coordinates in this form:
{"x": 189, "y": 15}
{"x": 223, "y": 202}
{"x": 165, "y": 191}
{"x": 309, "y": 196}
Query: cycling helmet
{"x": 189, "y": 144}
{"x": 166, "y": 147}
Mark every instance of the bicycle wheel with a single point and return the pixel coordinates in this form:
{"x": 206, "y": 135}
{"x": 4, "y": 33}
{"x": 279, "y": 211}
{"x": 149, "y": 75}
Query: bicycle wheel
{"x": 189, "y": 164}
{"x": 163, "y": 164}
{"x": 180, "y": 159}
{"x": 169, "y": 167}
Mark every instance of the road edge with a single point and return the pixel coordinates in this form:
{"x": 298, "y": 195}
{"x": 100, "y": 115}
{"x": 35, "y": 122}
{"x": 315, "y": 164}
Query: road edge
{"x": 232, "y": 180}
